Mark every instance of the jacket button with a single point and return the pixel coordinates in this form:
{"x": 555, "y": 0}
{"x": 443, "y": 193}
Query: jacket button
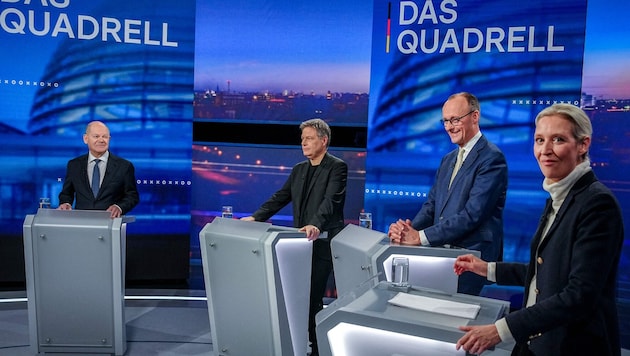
{"x": 531, "y": 337}
{"x": 537, "y": 291}
{"x": 539, "y": 260}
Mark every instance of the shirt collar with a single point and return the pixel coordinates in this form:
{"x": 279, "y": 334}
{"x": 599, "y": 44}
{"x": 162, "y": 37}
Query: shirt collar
{"x": 470, "y": 144}
{"x": 103, "y": 158}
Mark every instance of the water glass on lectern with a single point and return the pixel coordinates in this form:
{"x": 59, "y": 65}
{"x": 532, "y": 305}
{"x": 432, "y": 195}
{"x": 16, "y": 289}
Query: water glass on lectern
{"x": 226, "y": 212}
{"x": 44, "y": 203}
{"x": 365, "y": 220}
{"x": 400, "y": 271}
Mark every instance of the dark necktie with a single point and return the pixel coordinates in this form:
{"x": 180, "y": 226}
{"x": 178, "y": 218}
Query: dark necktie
{"x": 96, "y": 177}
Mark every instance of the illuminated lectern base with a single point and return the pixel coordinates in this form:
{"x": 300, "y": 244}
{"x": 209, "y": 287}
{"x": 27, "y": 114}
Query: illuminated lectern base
{"x": 364, "y": 323}
{"x": 362, "y": 255}
{"x": 257, "y": 279}
{"x": 74, "y": 262}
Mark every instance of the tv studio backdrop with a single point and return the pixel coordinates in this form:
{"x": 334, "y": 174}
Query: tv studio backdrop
{"x": 205, "y": 98}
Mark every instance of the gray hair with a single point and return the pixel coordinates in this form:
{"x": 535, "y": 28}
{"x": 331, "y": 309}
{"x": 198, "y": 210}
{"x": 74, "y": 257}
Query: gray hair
{"x": 472, "y": 100}
{"x": 581, "y": 123}
{"x": 323, "y": 130}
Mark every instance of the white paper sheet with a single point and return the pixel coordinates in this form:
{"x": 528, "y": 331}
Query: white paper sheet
{"x": 434, "y": 305}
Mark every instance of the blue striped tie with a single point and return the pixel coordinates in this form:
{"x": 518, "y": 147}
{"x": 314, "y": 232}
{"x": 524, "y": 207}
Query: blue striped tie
{"x": 96, "y": 177}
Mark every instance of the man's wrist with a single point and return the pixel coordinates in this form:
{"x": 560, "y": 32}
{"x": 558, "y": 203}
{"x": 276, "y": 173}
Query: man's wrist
{"x": 424, "y": 241}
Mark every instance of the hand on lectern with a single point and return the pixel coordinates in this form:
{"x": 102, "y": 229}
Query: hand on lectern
{"x": 115, "y": 211}
{"x": 401, "y": 232}
{"x": 312, "y": 232}
{"x": 478, "y": 338}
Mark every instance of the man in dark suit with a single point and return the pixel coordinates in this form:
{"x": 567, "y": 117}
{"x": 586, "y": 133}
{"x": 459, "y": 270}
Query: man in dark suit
{"x": 111, "y": 186}
{"x": 465, "y": 204}
{"x": 316, "y": 188}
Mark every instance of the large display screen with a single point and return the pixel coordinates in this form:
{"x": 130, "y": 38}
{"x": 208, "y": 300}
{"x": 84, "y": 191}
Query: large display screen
{"x": 205, "y": 98}
{"x": 284, "y": 63}
{"x": 126, "y": 63}
{"x": 517, "y": 58}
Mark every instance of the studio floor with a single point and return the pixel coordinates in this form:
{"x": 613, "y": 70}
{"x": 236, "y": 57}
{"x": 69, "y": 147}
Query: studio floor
{"x": 161, "y": 319}
{"x": 158, "y": 322}
{"x": 166, "y": 318}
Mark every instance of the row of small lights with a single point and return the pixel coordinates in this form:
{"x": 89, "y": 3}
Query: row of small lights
{"x": 155, "y": 182}
{"x": 400, "y": 193}
{"x": 544, "y": 102}
{"x": 163, "y": 182}
{"x": 28, "y": 83}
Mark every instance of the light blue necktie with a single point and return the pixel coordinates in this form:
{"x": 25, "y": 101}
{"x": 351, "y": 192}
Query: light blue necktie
{"x": 96, "y": 177}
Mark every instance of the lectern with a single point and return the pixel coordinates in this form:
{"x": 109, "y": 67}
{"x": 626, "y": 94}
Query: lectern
{"x": 380, "y": 320}
{"x": 75, "y": 265}
{"x": 257, "y": 279}
{"x": 362, "y": 255}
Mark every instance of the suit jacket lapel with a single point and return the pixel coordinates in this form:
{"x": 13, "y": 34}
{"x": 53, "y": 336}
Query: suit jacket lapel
{"x": 474, "y": 153}
{"x": 450, "y": 163}
{"x": 556, "y": 221}
{"x": 469, "y": 161}
{"x": 300, "y": 177}
{"x": 581, "y": 184}
{"x": 322, "y": 165}
{"x": 85, "y": 175}
{"x": 541, "y": 225}
{"x": 112, "y": 166}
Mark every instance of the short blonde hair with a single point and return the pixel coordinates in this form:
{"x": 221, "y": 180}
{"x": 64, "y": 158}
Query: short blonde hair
{"x": 582, "y": 127}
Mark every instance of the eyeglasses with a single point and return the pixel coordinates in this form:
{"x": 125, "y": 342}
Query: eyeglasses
{"x": 456, "y": 120}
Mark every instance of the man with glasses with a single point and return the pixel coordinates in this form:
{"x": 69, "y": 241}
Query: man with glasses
{"x": 464, "y": 207}
{"x": 98, "y": 179}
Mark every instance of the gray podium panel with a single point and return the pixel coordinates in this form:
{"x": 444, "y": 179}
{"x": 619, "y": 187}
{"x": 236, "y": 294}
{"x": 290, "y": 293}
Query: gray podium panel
{"x": 362, "y": 255}
{"x": 364, "y": 323}
{"x": 257, "y": 279}
{"x": 352, "y": 251}
{"x": 74, "y": 262}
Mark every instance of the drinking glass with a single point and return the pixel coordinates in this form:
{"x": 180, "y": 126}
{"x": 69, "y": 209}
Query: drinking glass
{"x": 400, "y": 271}
{"x": 226, "y": 212}
{"x": 365, "y": 220}
{"x": 44, "y": 203}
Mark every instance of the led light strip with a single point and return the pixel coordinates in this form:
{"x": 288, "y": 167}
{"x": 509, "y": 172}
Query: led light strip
{"x": 127, "y": 297}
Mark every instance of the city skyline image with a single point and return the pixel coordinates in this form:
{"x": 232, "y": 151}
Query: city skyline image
{"x": 607, "y": 49}
{"x": 276, "y": 46}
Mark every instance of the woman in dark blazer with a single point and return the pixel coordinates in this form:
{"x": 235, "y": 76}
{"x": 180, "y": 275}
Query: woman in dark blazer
{"x": 570, "y": 281}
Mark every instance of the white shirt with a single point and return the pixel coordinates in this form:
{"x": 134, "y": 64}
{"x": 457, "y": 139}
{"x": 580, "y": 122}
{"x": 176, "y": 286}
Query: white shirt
{"x": 102, "y": 166}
